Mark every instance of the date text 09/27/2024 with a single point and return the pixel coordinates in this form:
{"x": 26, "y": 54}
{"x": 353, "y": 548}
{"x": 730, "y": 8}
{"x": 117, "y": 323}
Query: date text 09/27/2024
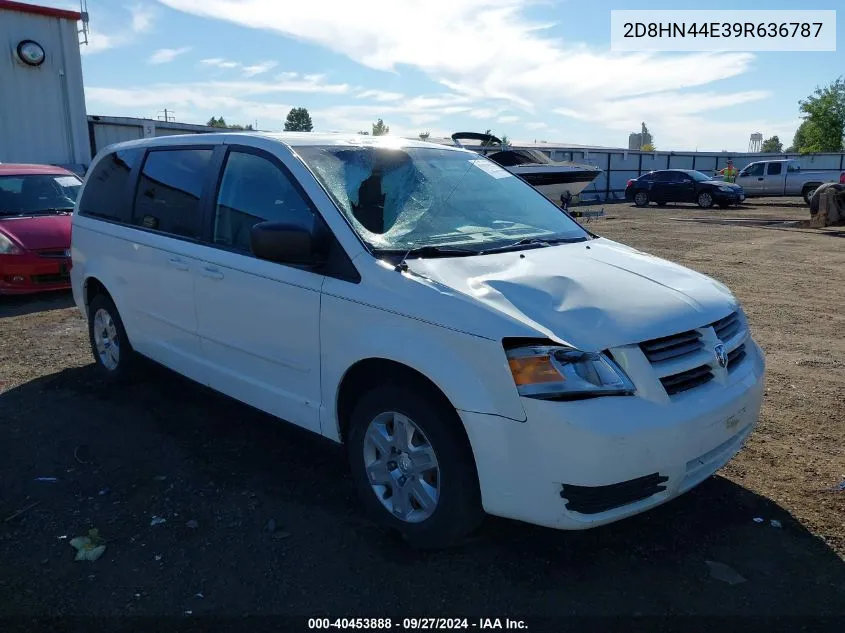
{"x": 417, "y": 624}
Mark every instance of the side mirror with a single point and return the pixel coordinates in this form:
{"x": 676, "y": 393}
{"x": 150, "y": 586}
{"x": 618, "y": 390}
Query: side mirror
{"x": 286, "y": 243}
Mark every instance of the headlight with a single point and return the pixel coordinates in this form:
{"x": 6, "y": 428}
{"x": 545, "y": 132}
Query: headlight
{"x": 564, "y": 373}
{"x": 7, "y": 247}
{"x": 726, "y": 189}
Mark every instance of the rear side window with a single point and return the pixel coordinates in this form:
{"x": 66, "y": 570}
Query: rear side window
{"x": 254, "y": 190}
{"x": 667, "y": 176}
{"x": 775, "y": 169}
{"x": 105, "y": 195}
{"x": 169, "y": 189}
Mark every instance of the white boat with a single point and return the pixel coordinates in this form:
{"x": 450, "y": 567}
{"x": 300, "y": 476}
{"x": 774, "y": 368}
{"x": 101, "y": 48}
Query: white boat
{"x": 559, "y": 181}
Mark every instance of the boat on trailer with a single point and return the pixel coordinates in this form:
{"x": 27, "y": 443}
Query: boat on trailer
{"x": 559, "y": 181}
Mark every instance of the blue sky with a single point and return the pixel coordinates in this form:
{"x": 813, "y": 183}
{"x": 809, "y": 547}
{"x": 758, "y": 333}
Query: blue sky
{"x": 531, "y": 69}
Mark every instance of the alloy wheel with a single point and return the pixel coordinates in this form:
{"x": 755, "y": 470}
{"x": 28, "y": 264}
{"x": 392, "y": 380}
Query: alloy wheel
{"x": 401, "y": 467}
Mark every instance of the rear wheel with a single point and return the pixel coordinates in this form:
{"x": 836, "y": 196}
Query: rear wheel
{"x": 113, "y": 354}
{"x": 413, "y": 466}
{"x": 705, "y": 200}
{"x": 807, "y": 193}
{"x": 641, "y": 199}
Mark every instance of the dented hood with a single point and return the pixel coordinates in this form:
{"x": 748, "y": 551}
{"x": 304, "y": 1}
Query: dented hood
{"x": 593, "y": 295}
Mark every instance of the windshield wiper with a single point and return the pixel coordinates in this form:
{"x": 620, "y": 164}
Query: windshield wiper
{"x": 426, "y": 251}
{"x": 532, "y": 241}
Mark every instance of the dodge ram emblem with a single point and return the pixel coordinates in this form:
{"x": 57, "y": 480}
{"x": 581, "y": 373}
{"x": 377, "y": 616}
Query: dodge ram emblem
{"x": 721, "y": 355}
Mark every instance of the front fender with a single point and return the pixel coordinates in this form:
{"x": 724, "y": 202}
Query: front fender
{"x": 471, "y": 371}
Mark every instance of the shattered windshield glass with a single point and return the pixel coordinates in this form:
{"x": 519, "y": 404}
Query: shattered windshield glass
{"x": 410, "y": 197}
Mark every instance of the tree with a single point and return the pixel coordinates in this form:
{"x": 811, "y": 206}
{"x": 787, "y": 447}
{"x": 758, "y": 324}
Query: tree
{"x": 824, "y": 110}
{"x": 649, "y": 147}
{"x": 800, "y": 139}
{"x": 424, "y": 135}
{"x": 505, "y": 140}
{"x": 380, "y": 129}
{"x": 298, "y": 121}
{"x": 772, "y": 145}
{"x": 221, "y": 123}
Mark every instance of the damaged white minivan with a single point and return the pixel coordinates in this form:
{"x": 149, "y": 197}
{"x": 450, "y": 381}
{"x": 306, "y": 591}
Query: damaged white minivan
{"x": 473, "y": 346}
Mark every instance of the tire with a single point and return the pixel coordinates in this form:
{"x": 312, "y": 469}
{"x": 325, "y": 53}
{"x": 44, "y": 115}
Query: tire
{"x": 705, "y": 200}
{"x": 641, "y": 198}
{"x": 456, "y": 510}
{"x": 115, "y": 359}
{"x": 807, "y": 194}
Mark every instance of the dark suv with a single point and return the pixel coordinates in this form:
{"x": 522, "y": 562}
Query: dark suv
{"x": 682, "y": 185}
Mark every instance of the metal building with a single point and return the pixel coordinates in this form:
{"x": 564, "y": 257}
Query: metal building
{"x": 42, "y": 99}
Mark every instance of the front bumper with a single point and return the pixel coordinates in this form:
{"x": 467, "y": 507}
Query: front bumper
{"x": 733, "y": 197}
{"x": 30, "y": 272}
{"x": 577, "y": 465}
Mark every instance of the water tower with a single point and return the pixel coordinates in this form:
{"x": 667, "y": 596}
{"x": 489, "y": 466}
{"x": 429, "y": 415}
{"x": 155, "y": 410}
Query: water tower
{"x": 755, "y": 144}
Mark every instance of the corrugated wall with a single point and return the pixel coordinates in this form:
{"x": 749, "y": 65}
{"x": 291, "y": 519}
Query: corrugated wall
{"x": 42, "y": 109}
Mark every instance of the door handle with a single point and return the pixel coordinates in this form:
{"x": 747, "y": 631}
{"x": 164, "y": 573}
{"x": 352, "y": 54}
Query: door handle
{"x": 211, "y": 272}
{"x": 177, "y": 263}
{"x": 759, "y": 179}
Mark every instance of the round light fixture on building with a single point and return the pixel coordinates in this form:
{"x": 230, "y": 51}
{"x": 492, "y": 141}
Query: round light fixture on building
{"x": 30, "y": 53}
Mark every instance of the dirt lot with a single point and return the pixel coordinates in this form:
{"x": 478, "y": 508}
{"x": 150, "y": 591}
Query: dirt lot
{"x": 218, "y": 472}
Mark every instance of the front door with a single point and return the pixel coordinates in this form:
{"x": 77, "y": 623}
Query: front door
{"x": 157, "y": 267}
{"x": 258, "y": 320}
{"x": 773, "y": 184}
{"x": 752, "y": 179}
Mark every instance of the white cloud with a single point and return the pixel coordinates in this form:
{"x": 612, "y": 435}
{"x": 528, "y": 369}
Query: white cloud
{"x": 536, "y": 125}
{"x": 142, "y": 18}
{"x": 379, "y": 95}
{"x": 258, "y": 69}
{"x": 250, "y": 70}
{"x": 167, "y": 55}
{"x": 507, "y": 119}
{"x": 483, "y": 50}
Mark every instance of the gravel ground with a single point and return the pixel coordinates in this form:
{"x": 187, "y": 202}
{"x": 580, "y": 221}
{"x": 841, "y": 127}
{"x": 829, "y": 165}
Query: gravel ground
{"x": 261, "y": 518}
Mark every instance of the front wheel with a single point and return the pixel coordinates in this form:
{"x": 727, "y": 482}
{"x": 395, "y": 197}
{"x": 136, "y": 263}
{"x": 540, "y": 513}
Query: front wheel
{"x": 705, "y": 200}
{"x": 641, "y": 199}
{"x": 413, "y": 466}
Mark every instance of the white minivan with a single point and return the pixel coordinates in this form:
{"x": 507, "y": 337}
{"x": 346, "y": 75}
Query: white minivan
{"x": 475, "y": 348}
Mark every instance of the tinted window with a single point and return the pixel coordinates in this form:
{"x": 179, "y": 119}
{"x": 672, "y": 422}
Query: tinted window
{"x": 756, "y": 169}
{"x": 775, "y": 168}
{"x": 253, "y": 190}
{"x": 647, "y": 178}
{"x": 791, "y": 167}
{"x": 667, "y": 176}
{"x": 168, "y": 196}
{"x": 105, "y": 194}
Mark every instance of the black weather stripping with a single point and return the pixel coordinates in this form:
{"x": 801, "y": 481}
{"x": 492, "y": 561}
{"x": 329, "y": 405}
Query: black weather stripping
{"x": 596, "y": 499}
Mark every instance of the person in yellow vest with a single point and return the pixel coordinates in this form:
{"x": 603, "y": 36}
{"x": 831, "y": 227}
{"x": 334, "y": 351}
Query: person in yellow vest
{"x": 729, "y": 172}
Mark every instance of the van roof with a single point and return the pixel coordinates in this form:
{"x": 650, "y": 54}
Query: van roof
{"x": 292, "y": 139}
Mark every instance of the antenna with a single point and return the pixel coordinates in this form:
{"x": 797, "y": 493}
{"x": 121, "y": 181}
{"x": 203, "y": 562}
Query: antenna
{"x": 168, "y": 115}
{"x": 83, "y": 32}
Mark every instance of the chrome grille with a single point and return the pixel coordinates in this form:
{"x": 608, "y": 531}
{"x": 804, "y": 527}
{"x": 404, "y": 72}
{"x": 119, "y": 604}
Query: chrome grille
{"x": 671, "y": 347}
{"x": 726, "y": 328}
{"x": 735, "y": 357}
{"x": 687, "y": 379}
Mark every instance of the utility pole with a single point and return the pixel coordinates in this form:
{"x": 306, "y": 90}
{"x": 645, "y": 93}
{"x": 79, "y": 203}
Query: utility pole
{"x": 168, "y": 115}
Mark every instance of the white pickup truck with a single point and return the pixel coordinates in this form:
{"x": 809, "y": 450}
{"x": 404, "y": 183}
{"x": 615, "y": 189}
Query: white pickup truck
{"x": 773, "y": 178}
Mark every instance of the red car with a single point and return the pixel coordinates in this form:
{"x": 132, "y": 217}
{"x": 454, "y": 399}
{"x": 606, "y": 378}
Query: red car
{"x": 36, "y": 202}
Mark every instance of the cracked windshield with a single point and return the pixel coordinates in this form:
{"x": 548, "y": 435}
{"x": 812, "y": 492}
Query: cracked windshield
{"x": 397, "y": 199}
